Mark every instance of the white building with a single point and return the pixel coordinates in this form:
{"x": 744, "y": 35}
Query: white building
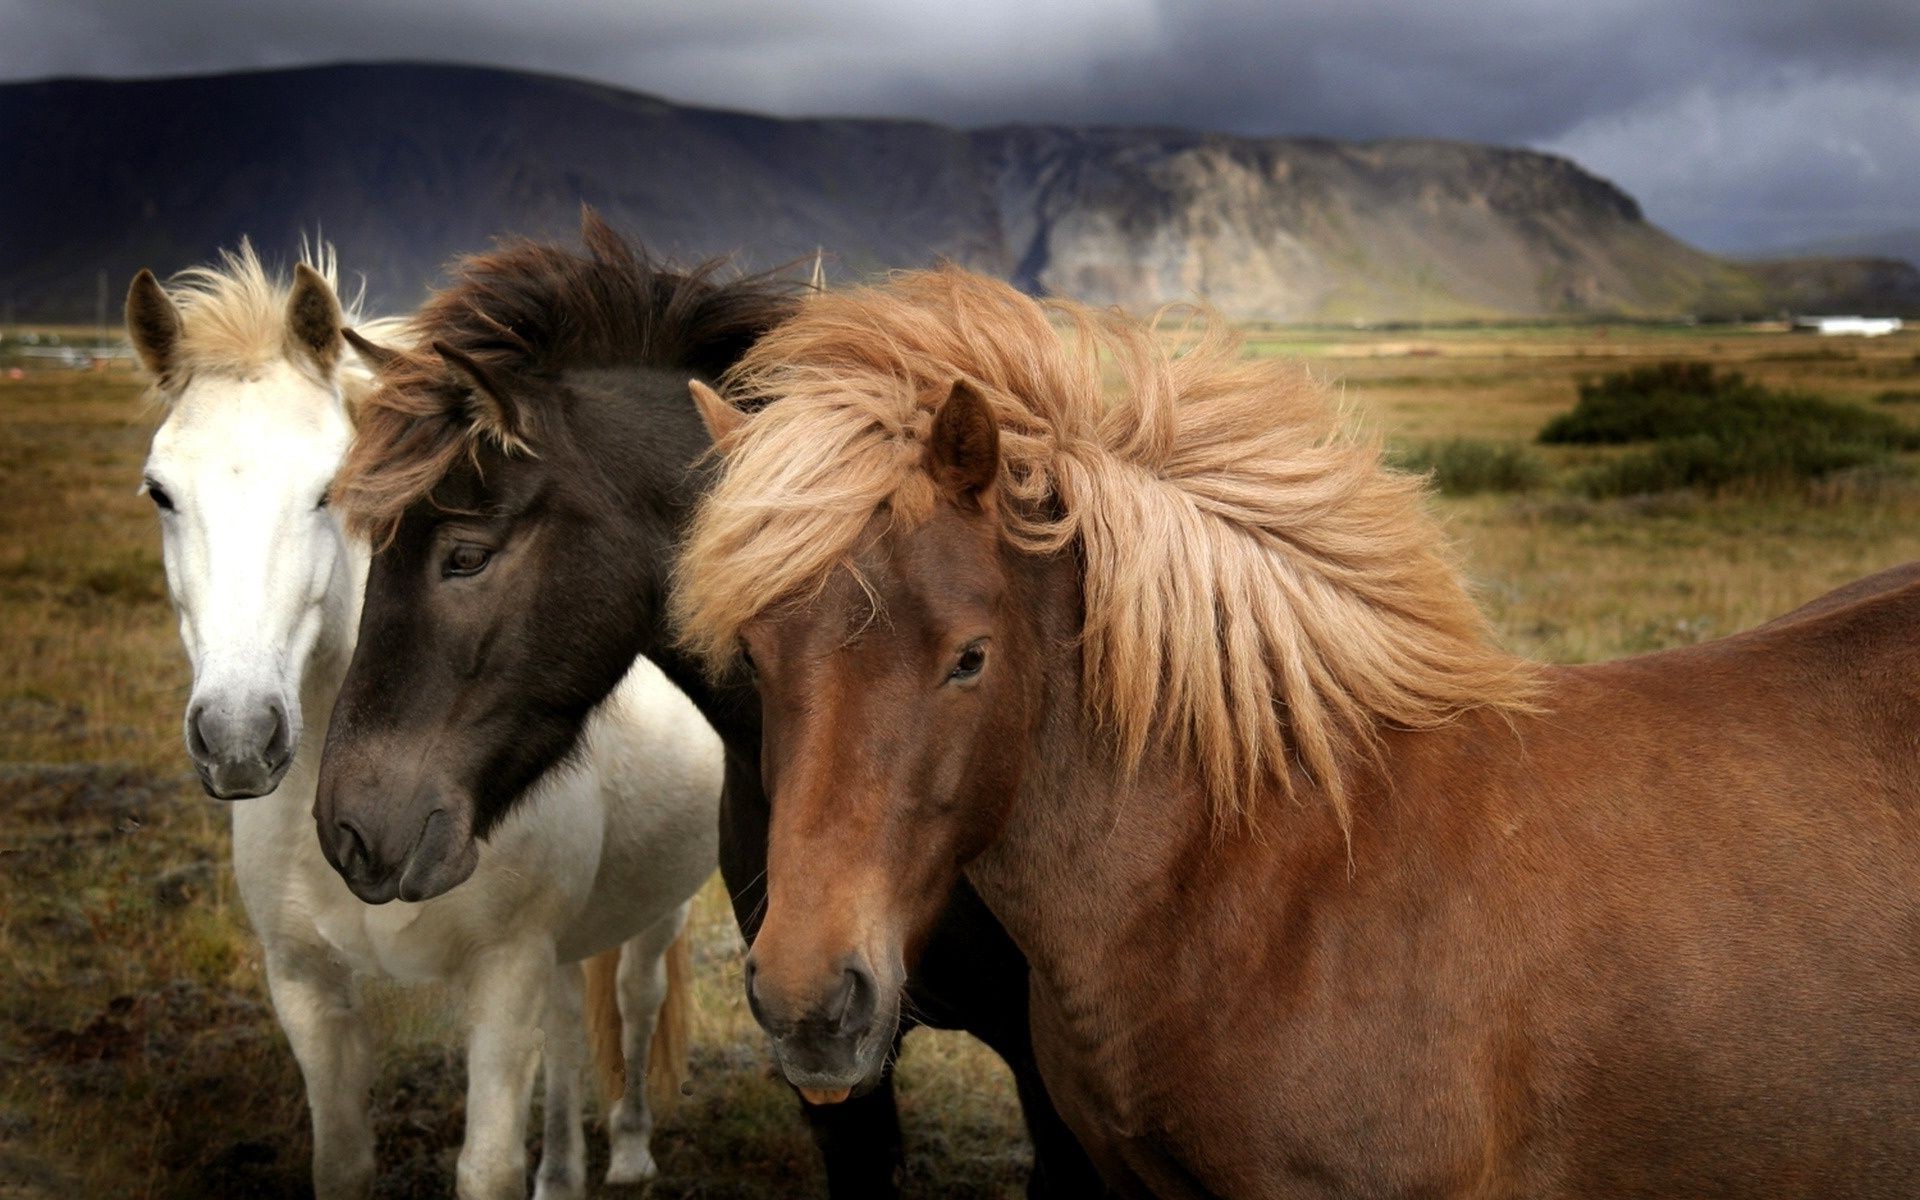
{"x": 1848, "y": 326}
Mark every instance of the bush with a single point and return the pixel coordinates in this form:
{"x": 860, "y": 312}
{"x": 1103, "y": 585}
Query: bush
{"x": 1708, "y": 463}
{"x": 1468, "y": 466}
{"x": 1897, "y": 397}
{"x": 1714, "y": 429}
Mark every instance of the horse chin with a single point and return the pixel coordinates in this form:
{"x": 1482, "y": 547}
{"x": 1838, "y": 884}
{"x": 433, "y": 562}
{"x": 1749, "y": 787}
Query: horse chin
{"x": 826, "y": 1084}
{"x": 246, "y": 781}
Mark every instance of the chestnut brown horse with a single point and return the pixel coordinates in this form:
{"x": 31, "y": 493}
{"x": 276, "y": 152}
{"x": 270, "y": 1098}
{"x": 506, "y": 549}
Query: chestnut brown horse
{"x": 1324, "y": 894}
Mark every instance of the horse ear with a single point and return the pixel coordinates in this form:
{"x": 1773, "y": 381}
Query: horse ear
{"x": 720, "y": 418}
{"x": 153, "y": 324}
{"x": 963, "y": 451}
{"x": 313, "y": 318}
{"x": 372, "y": 353}
{"x": 490, "y": 404}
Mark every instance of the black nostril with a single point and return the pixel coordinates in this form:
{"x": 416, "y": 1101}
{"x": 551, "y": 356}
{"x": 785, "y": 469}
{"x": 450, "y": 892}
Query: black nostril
{"x": 277, "y": 742}
{"x": 859, "y": 1000}
{"x": 197, "y": 741}
{"x": 351, "y": 847}
{"x": 753, "y": 994}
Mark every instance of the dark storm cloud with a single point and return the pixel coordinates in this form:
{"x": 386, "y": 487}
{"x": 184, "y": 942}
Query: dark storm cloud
{"x": 1741, "y": 124}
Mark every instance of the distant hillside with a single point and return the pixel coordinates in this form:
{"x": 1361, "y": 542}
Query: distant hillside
{"x": 1901, "y": 244}
{"x": 403, "y": 166}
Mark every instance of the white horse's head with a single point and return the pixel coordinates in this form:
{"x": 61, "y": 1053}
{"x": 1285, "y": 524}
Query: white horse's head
{"x": 267, "y": 583}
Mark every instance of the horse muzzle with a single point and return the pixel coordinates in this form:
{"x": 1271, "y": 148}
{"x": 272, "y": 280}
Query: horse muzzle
{"x": 240, "y": 749}
{"x": 385, "y": 855}
{"x": 830, "y": 1042}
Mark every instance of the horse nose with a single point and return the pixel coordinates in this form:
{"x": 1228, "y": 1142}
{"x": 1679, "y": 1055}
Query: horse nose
{"x": 241, "y": 750}
{"x": 846, "y": 1010}
{"x": 350, "y": 850}
{"x": 858, "y": 1001}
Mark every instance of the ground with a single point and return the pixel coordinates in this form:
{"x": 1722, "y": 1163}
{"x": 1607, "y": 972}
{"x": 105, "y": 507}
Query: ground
{"x": 138, "y": 1056}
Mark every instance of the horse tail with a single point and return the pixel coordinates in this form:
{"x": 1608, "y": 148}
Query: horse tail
{"x": 667, "y": 1057}
{"x": 603, "y": 1025}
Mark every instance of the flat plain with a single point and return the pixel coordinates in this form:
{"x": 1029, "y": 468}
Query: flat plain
{"x": 138, "y": 1057}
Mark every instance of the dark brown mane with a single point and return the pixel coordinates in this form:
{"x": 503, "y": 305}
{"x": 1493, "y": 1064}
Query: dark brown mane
{"x": 534, "y": 309}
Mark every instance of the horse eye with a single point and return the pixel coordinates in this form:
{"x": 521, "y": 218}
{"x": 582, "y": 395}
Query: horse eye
{"x": 746, "y": 661}
{"x": 326, "y": 497}
{"x": 973, "y": 660}
{"x": 468, "y": 559}
{"x": 159, "y": 496}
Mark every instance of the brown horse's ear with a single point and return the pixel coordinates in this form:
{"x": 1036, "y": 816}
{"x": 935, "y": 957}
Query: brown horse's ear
{"x": 372, "y": 353}
{"x": 963, "y": 452}
{"x": 720, "y": 418}
{"x": 490, "y": 404}
{"x": 153, "y": 325}
{"x": 313, "y": 318}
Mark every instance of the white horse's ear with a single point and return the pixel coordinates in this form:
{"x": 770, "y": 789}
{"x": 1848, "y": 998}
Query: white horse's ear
{"x": 313, "y": 318}
{"x": 373, "y": 354}
{"x": 720, "y": 418}
{"x": 490, "y": 402}
{"x": 153, "y": 325}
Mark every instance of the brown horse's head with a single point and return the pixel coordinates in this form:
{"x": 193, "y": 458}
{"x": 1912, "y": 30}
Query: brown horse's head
{"x": 897, "y": 705}
{"x": 524, "y": 475}
{"x": 941, "y": 581}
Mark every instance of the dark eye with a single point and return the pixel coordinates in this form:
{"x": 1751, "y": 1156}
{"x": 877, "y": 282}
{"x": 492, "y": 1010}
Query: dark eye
{"x": 325, "y": 497}
{"x": 747, "y": 664}
{"x": 973, "y": 660}
{"x": 467, "y": 558}
{"x": 159, "y": 496}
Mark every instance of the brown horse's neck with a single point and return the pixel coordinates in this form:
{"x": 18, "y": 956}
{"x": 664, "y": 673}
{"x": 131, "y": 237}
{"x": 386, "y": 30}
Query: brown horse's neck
{"x": 1100, "y": 873}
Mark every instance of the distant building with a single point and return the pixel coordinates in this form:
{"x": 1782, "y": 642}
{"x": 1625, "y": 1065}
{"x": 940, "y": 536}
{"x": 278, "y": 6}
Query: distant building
{"x": 1848, "y": 326}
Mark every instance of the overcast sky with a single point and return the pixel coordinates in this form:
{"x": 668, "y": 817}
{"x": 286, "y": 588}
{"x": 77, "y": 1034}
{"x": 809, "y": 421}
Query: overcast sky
{"x": 1739, "y": 124}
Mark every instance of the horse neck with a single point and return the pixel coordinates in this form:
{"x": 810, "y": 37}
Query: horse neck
{"x": 649, "y": 440}
{"x": 1096, "y": 863}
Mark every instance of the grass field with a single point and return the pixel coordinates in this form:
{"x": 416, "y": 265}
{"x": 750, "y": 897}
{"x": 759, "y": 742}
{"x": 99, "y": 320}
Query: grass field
{"x": 137, "y": 1054}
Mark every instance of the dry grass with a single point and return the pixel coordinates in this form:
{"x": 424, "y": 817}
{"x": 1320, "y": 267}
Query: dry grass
{"x": 137, "y": 1054}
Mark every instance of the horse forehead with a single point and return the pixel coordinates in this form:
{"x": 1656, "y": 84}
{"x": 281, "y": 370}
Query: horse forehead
{"x": 273, "y": 421}
{"x": 946, "y": 562}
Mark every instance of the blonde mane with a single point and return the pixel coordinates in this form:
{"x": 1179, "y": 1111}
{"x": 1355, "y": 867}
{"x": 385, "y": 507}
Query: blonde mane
{"x": 1261, "y": 591}
{"x": 233, "y": 317}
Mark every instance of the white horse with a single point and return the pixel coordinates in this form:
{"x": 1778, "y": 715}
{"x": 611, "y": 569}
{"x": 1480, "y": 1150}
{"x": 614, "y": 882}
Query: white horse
{"x": 258, "y": 393}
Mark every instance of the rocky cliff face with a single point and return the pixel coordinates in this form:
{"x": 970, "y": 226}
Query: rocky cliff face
{"x": 404, "y": 166}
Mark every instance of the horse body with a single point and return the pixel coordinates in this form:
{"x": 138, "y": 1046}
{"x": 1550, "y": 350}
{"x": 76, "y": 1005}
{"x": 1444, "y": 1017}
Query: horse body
{"x": 269, "y": 586}
{"x": 1657, "y": 941}
{"x": 1323, "y": 894}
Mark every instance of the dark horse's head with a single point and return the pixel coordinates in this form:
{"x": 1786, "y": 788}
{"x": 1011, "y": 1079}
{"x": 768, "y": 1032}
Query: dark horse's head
{"x": 521, "y": 494}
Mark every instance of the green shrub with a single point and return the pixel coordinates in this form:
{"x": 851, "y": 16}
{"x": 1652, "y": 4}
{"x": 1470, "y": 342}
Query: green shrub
{"x": 1680, "y": 399}
{"x": 1897, "y": 397}
{"x": 1712, "y": 430}
{"x": 1467, "y": 466}
{"x": 1712, "y": 465}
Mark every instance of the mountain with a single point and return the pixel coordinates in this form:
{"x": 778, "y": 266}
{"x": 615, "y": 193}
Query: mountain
{"x": 405, "y": 165}
{"x": 1899, "y": 244}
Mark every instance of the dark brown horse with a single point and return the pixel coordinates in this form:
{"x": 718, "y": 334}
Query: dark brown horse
{"x": 527, "y": 483}
{"x": 1324, "y": 894}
